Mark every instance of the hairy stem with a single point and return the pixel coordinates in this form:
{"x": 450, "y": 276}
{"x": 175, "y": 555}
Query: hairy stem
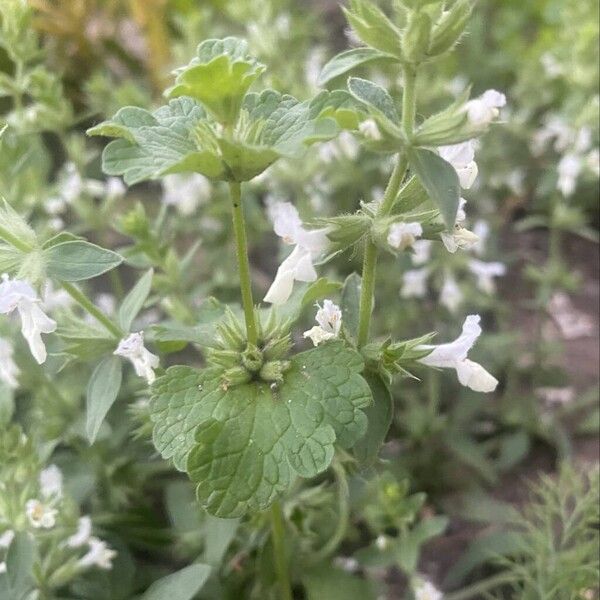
{"x": 241, "y": 241}
{"x": 281, "y": 563}
{"x": 369, "y": 270}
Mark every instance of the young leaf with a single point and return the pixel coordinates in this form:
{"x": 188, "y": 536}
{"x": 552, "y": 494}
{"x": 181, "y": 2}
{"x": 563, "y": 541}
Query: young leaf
{"x": 133, "y": 302}
{"x": 218, "y": 76}
{"x": 246, "y": 442}
{"x": 181, "y": 585}
{"x": 375, "y": 97}
{"x": 351, "y": 304}
{"x": 350, "y": 59}
{"x": 102, "y": 390}
{"x": 439, "y": 179}
{"x": 379, "y": 416}
{"x": 79, "y": 260}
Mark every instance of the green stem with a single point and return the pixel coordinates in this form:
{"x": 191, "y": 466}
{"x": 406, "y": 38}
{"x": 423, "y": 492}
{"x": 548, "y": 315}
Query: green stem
{"x": 409, "y": 100}
{"x": 239, "y": 228}
{"x": 369, "y": 269}
{"x": 13, "y": 240}
{"x": 477, "y": 589}
{"x": 279, "y": 554}
{"x": 92, "y": 309}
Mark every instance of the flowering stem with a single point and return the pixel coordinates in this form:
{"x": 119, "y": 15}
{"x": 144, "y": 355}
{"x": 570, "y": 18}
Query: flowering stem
{"x": 370, "y": 259}
{"x": 92, "y": 309}
{"x": 279, "y": 554}
{"x": 235, "y": 189}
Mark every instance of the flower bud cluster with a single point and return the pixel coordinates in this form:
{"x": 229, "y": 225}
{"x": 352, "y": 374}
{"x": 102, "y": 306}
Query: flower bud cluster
{"x": 243, "y": 362}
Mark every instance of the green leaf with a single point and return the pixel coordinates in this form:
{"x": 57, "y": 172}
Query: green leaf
{"x": 181, "y": 585}
{"x": 134, "y": 301}
{"x": 175, "y": 138}
{"x": 218, "y": 535}
{"x": 218, "y": 76}
{"x": 79, "y": 260}
{"x": 350, "y": 305}
{"x": 102, "y": 390}
{"x": 350, "y": 59}
{"x": 340, "y": 106}
{"x": 20, "y": 559}
{"x": 246, "y": 443}
{"x": 326, "y": 583}
{"x": 439, "y": 179}
{"x": 14, "y": 223}
{"x": 379, "y": 417}
{"x": 375, "y": 97}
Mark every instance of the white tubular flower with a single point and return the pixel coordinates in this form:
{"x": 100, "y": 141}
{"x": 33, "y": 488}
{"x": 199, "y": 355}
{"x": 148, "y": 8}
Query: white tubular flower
{"x": 454, "y": 356}
{"x": 186, "y": 192}
{"x": 482, "y": 230}
{"x": 462, "y": 158}
{"x": 569, "y": 167}
{"x": 414, "y": 283}
{"x": 9, "y": 372}
{"x": 461, "y": 237}
{"x": 144, "y": 362}
{"x": 6, "y": 538}
{"x": 51, "y": 480}
{"x": 421, "y": 252}
{"x": 298, "y": 266}
{"x": 425, "y": 590}
{"x": 329, "y": 319}
{"x": 2, "y": 567}
{"x": 450, "y": 294}
{"x": 99, "y": 555}
{"x": 485, "y": 273}
{"x": 483, "y": 110}
{"x": 403, "y": 235}
{"x": 17, "y": 294}
{"x": 40, "y": 515}
{"x": 370, "y": 130}
{"x": 82, "y": 535}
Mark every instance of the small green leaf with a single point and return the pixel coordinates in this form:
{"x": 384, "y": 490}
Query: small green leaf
{"x": 20, "y": 559}
{"x": 134, "y": 301}
{"x": 244, "y": 443}
{"x": 375, "y": 97}
{"x": 379, "y": 416}
{"x": 350, "y": 59}
{"x": 439, "y": 179}
{"x": 102, "y": 390}
{"x": 79, "y": 260}
{"x": 181, "y": 585}
{"x": 218, "y": 76}
{"x": 218, "y": 535}
{"x": 350, "y": 305}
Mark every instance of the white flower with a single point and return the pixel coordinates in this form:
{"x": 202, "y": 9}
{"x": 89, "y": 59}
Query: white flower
{"x": 450, "y": 294}
{"x": 560, "y": 396}
{"x": 403, "y": 235}
{"x": 344, "y": 146}
{"x": 569, "y": 167}
{"x": 552, "y": 67}
{"x": 298, "y": 266}
{"x": 485, "y": 273}
{"x": 592, "y": 161}
{"x": 421, "y": 252}
{"x": 8, "y": 368}
{"x": 72, "y": 185}
{"x": 382, "y": 542}
{"x": 329, "y": 319}
{"x": 370, "y": 130}
{"x": 144, "y": 362}
{"x": 462, "y": 158}
{"x": 414, "y": 283}
{"x": 99, "y": 555}
{"x": 114, "y": 188}
{"x": 483, "y": 110}
{"x": 425, "y": 590}
{"x": 54, "y": 298}
{"x": 51, "y": 480}
{"x": 6, "y": 538}
{"x": 314, "y": 65}
{"x": 346, "y": 563}
{"x": 481, "y": 229}
{"x": 461, "y": 237}
{"x": 40, "y": 515}
{"x": 18, "y": 294}
{"x": 186, "y": 192}
{"x": 83, "y": 533}
{"x": 2, "y": 567}
{"x": 453, "y": 355}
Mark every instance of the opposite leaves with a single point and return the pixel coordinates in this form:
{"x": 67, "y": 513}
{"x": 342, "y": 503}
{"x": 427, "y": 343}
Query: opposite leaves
{"x": 243, "y": 446}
